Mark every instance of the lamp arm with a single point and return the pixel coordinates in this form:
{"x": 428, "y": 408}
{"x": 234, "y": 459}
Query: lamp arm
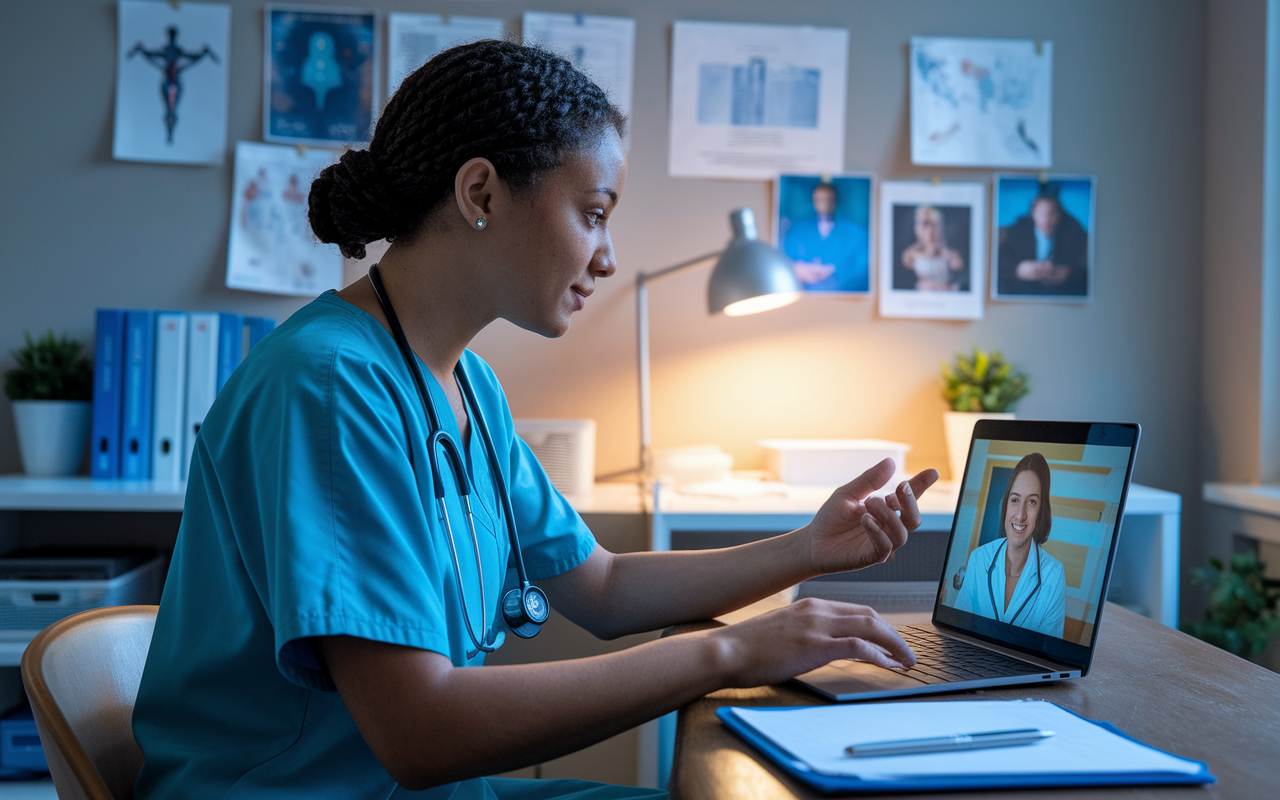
{"x": 645, "y": 277}
{"x": 642, "y": 355}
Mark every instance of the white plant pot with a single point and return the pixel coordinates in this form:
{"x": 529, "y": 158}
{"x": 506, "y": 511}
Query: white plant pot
{"x": 959, "y": 428}
{"x": 52, "y": 435}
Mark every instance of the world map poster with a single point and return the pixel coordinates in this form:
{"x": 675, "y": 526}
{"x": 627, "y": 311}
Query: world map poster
{"x": 981, "y": 102}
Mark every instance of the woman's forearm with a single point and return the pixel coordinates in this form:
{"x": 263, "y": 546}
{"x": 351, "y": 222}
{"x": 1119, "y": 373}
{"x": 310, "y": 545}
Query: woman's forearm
{"x": 430, "y": 723}
{"x": 645, "y": 591}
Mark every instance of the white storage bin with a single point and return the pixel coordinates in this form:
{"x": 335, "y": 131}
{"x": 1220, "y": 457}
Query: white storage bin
{"x": 829, "y": 462}
{"x": 566, "y": 449}
{"x": 33, "y": 605}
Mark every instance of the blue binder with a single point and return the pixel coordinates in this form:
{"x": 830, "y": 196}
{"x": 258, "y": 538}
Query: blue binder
{"x": 230, "y": 346}
{"x": 258, "y": 328}
{"x": 832, "y": 783}
{"x": 139, "y": 374}
{"x": 104, "y": 461}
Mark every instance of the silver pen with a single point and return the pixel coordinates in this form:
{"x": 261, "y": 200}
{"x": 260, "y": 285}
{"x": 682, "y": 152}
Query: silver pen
{"x": 943, "y": 744}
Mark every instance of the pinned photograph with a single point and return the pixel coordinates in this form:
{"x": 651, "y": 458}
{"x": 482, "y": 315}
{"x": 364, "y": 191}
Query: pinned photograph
{"x": 171, "y": 82}
{"x": 319, "y": 75}
{"x": 272, "y": 248}
{"x": 932, "y": 246}
{"x": 981, "y": 102}
{"x": 1043, "y": 238}
{"x": 823, "y": 224}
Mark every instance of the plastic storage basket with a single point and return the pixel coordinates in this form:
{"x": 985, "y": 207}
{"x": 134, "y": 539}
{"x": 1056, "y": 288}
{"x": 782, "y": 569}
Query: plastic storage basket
{"x": 33, "y": 605}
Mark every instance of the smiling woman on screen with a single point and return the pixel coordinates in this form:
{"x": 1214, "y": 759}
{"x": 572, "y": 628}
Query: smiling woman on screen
{"x": 1012, "y": 579}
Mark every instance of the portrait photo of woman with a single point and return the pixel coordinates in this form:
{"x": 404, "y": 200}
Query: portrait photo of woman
{"x": 1013, "y": 579}
{"x": 932, "y": 241}
{"x": 936, "y": 267}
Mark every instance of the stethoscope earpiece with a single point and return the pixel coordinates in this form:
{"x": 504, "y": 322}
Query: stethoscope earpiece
{"x": 525, "y": 608}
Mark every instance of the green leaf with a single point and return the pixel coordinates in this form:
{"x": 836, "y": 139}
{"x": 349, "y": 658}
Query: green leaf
{"x": 50, "y": 368}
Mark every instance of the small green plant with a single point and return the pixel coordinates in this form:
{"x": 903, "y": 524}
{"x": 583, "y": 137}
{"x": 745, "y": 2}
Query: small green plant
{"x": 1242, "y": 606}
{"x": 982, "y": 381}
{"x": 50, "y": 368}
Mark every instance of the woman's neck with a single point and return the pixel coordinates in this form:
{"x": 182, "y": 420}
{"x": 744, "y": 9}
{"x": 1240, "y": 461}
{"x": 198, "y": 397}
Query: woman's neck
{"x": 434, "y": 297}
{"x": 1015, "y": 558}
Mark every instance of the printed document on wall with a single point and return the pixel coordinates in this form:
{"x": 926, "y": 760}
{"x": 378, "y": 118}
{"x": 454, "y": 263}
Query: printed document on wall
{"x": 414, "y": 38}
{"x": 981, "y": 102}
{"x": 272, "y": 248}
{"x": 602, "y": 47}
{"x": 752, "y": 101}
{"x": 171, "y": 82}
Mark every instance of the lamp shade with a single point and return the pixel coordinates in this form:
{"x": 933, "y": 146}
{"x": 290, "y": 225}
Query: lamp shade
{"x": 750, "y": 276}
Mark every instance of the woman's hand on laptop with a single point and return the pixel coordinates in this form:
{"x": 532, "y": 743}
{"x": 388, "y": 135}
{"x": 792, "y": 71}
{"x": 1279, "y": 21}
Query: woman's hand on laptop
{"x": 789, "y": 641}
{"x": 855, "y": 528}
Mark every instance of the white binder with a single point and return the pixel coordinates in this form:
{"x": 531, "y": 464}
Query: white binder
{"x": 202, "y": 378}
{"x": 170, "y": 406}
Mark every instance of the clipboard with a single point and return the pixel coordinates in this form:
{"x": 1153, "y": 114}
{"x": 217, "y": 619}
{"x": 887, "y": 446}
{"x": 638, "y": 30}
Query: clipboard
{"x": 791, "y": 756}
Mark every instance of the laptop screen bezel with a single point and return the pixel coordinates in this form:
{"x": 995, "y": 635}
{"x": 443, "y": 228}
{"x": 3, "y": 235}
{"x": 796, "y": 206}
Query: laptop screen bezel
{"x": 1032, "y": 643}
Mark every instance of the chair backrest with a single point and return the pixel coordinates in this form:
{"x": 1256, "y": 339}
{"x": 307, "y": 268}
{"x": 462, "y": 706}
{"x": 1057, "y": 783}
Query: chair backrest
{"x": 82, "y": 675}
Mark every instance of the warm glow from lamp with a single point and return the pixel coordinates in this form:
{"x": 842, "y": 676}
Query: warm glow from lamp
{"x": 765, "y": 302}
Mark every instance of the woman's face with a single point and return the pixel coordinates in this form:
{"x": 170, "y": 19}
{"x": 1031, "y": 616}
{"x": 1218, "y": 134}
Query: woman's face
{"x": 559, "y": 246}
{"x": 927, "y": 224}
{"x": 1023, "y": 509}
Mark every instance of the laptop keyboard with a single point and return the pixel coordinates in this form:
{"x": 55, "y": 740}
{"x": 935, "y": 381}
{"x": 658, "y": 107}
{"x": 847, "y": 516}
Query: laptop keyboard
{"x": 940, "y": 659}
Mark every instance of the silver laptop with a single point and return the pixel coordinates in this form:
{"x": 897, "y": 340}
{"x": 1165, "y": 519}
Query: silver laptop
{"x": 1025, "y": 576}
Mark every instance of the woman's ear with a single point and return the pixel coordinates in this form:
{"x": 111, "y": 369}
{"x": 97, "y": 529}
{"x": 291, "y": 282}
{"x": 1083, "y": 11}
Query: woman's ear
{"x": 473, "y": 188}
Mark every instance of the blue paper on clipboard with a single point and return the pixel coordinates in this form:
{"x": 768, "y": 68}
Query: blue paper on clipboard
{"x": 809, "y": 744}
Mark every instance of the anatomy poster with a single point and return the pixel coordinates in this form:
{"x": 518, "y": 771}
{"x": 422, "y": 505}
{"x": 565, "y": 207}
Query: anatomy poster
{"x": 981, "y": 102}
{"x": 752, "y": 101}
{"x": 412, "y": 39}
{"x": 171, "y": 82}
{"x": 602, "y": 47}
{"x": 320, "y": 75}
{"x": 272, "y": 248}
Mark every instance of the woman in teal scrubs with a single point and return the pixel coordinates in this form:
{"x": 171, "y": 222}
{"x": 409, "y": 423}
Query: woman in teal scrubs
{"x": 312, "y": 640}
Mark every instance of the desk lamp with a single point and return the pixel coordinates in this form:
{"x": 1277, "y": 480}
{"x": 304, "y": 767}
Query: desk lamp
{"x": 749, "y": 277}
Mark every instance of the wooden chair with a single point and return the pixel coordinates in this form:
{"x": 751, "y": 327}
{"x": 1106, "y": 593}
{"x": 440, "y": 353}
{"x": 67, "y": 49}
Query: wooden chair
{"x": 82, "y": 675}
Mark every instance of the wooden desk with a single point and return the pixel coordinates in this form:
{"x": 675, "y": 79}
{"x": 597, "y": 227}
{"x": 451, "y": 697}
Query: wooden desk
{"x": 1161, "y": 686}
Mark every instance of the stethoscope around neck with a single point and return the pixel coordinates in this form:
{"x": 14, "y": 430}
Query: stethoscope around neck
{"x": 524, "y": 608}
{"x": 996, "y": 609}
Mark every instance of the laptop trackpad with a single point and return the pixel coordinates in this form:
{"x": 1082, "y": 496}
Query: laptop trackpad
{"x": 856, "y": 677}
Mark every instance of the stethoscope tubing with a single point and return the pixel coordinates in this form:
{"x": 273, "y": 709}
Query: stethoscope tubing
{"x": 990, "y": 591}
{"x": 440, "y": 441}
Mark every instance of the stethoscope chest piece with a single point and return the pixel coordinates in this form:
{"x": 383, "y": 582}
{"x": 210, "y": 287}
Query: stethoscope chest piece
{"x": 525, "y": 610}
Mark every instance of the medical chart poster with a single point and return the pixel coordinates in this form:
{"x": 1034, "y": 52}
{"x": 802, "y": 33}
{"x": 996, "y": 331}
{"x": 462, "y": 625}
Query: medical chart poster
{"x": 171, "y": 82}
{"x": 932, "y": 249}
{"x": 412, "y": 39}
{"x": 602, "y": 47}
{"x": 320, "y": 75}
{"x": 981, "y": 102}
{"x": 272, "y": 248}
{"x": 753, "y": 101}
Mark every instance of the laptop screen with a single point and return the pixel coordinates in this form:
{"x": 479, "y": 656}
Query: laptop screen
{"x": 1034, "y": 534}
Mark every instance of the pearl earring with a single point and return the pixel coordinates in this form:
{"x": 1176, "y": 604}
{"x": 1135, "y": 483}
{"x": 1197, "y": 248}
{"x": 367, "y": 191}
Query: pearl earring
{"x": 480, "y": 222}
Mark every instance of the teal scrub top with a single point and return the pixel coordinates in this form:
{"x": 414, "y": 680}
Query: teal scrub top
{"x": 310, "y": 512}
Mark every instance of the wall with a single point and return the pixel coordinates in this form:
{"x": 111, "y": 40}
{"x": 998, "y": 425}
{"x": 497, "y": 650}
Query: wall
{"x": 82, "y": 231}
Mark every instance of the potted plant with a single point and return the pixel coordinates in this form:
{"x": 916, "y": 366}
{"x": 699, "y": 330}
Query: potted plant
{"x": 977, "y": 386}
{"x": 51, "y": 389}
{"x": 1242, "y": 612}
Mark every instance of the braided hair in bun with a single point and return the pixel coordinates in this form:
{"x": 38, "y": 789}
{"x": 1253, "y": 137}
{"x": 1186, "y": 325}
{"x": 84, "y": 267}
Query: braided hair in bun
{"x": 521, "y": 107}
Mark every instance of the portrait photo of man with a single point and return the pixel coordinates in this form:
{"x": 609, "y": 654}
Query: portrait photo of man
{"x": 823, "y": 228}
{"x": 1043, "y": 247}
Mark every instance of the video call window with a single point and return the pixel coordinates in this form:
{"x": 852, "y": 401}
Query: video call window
{"x": 1030, "y": 555}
